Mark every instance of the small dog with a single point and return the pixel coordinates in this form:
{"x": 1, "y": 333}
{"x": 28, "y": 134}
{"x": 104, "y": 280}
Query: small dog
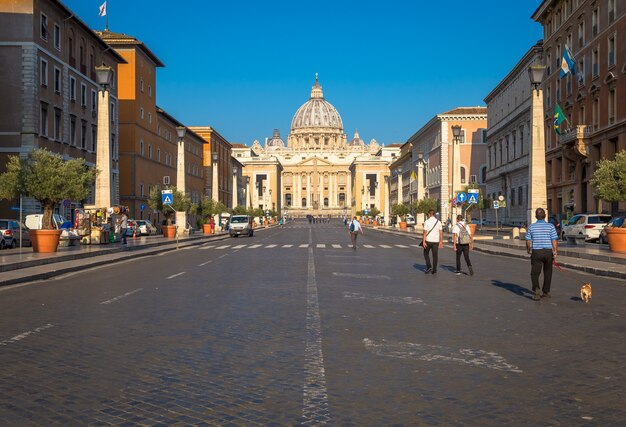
{"x": 585, "y": 292}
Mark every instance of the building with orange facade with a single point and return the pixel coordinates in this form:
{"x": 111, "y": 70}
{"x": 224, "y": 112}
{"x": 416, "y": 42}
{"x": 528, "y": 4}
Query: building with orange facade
{"x": 592, "y": 98}
{"x": 49, "y": 90}
{"x": 148, "y": 137}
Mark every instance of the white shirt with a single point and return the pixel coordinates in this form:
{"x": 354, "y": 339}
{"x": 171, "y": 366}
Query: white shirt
{"x": 457, "y": 230}
{"x": 357, "y": 226}
{"x": 433, "y": 224}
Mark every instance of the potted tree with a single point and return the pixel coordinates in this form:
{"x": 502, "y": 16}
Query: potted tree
{"x": 609, "y": 182}
{"x": 207, "y": 210}
{"x": 401, "y": 210}
{"x": 180, "y": 203}
{"x": 374, "y": 212}
{"x": 423, "y": 206}
{"x": 49, "y": 179}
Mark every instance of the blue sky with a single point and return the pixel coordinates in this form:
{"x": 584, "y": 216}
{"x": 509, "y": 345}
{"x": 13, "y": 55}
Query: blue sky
{"x": 244, "y": 67}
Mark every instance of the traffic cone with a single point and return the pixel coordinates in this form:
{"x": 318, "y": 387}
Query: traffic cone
{"x": 134, "y": 234}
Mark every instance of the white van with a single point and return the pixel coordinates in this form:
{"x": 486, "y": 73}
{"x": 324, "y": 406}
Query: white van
{"x": 241, "y": 224}
{"x": 33, "y": 221}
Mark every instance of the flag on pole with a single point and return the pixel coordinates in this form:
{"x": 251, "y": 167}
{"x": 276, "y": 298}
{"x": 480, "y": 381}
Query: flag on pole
{"x": 568, "y": 63}
{"x": 559, "y": 117}
{"x": 103, "y": 9}
{"x": 413, "y": 175}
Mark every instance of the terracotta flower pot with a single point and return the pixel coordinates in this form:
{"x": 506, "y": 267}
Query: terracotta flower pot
{"x": 472, "y": 228}
{"x": 206, "y": 229}
{"x": 403, "y": 225}
{"x": 169, "y": 231}
{"x": 45, "y": 241}
{"x": 617, "y": 239}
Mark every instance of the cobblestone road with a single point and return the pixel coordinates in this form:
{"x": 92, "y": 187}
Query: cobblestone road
{"x": 311, "y": 333}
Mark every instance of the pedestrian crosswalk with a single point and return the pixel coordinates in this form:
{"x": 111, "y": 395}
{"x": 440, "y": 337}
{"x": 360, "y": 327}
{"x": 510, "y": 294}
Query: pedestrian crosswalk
{"x": 303, "y": 245}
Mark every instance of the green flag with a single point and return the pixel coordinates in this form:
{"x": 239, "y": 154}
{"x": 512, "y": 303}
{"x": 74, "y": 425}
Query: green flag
{"x": 559, "y": 117}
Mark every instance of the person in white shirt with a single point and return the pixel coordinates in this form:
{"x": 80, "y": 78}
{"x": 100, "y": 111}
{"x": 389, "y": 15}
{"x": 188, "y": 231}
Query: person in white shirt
{"x": 433, "y": 240}
{"x": 354, "y": 228}
{"x": 463, "y": 243}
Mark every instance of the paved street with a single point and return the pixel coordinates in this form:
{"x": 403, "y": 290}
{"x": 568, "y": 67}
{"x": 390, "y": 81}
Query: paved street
{"x": 294, "y": 327}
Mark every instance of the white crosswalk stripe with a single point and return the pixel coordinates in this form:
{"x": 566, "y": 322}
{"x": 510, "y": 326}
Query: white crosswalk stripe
{"x": 368, "y": 246}
{"x": 254, "y": 246}
{"x": 401, "y": 246}
{"x": 304, "y": 246}
{"x": 206, "y": 247}
{"x": 385, "y": 246}
{"x": 223, "y": 247}
{"x": 321, "y": 245}
{"x": 337, "y": 246}
{"x": 271, "y": 246}
{"x": 239, "y": 246}
{"x": 287, "y": 246}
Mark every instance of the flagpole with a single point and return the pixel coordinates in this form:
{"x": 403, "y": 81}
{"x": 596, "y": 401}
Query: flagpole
{"x": 106, "y": 25}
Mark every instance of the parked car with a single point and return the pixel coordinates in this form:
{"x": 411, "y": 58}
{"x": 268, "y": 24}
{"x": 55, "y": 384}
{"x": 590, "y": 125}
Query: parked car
{"x": 132, "y": 228}
{"x": 10, "y": 232}
{"x": 617, "y": 221}
{"x": 145, "y": 228}
{"x": 588, "y": 225}
{"x": 478, "y": 221}
{"x": 34, "y": 222}
{"x": 410, "y": 220}
{"x": 241, "y": 225}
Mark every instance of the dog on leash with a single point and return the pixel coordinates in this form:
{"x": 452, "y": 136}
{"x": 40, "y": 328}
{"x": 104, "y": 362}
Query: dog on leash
{"x": 585, "y": 292}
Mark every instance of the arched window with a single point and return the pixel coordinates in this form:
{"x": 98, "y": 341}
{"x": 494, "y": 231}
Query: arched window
{"x": 462, "y": 175}
{"x": 304, "y": 202}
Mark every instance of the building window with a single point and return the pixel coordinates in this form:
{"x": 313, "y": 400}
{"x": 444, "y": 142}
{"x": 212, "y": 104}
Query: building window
{"x": 548, "y": 64}
{"x": 150, "y": 91}
{"x": 325, "y": 202}
{"x": 43, "y": 72}
{"x": 112, "y": 111}
{"x": 512, "y": 196}
{"x": 288, "y": 200}
{"x": 72, "y": 88}
{"x": 149, "y": 117}
{"x": 57, "y": 124}
{"x": 612, "y": 106}
{"x": 581, "y": 34}
{"x": 596, "y": 114}
{"x": 581, "y": 114}
{"x": 462, "y": 175}
{"x": 73, "y": 130}
{"x": 57, "y": 80}
{"x": 141, "y": 147}
{"x": 57, "y": 37}
{"x": 521, "y": 140}
{"x": 94, "y": 137}
{"x": 483, "y": 174}
{"x": 581, "y": 71}
{"x": 611, "y": 50}
{"x": 141, "y": 84}
{"x": 141, "y": 189}
{"x": 304, "y": 202}
{"x": 159, "y": 154}
{"x": 612, "y": 11}
{"x": 594, "y": 22}
{"x": 44, "y": 119}
{"x": 44, "y": 27}
{"x": 150, "y": 151}
{"x": 83, "y": 94}
{"x": 520, "y": 196}
{"x": 141, "y": 113}
{"x": 94, "y": 100}
{"x": 83, "y": 134}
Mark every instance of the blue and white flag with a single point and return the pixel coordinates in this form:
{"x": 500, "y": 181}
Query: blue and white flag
{"x": 568, "y": 64}
{"x": 103, "y": 9}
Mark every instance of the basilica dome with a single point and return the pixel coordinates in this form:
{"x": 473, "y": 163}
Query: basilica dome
{"x": 275, "y": 141}
{"x": 317, "y": 113}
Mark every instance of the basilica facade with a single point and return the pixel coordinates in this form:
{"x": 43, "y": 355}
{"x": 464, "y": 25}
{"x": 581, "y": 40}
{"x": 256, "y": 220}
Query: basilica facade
{"x": 318, "y": 171}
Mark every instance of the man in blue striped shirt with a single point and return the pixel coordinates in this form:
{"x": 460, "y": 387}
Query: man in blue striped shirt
{"x": 541, "y": 244}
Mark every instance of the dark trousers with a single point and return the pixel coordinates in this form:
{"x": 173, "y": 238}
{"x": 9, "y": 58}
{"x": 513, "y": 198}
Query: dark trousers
{"x": 462, "y": 249}
{"x": 430, "y": 246}
{"x": 123, "y": 231}
{"x": 541, "y": 259}
{"x": 353, "y": 239}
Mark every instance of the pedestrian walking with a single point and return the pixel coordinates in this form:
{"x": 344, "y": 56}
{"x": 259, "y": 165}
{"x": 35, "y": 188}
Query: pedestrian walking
{"x": 432, "y": 241}
{"x": 463, "y": 243}
{"x": 542, "y": 245}
{"x": 123, "y": 223}
{"x": 354, "y": 228}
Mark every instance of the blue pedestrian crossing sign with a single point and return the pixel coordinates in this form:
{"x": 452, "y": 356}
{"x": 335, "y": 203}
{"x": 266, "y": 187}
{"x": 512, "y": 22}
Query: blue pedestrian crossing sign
{"x": 473, "y": 198}
{"x": 461, "y": 197}
{"x": 166, "y": 197}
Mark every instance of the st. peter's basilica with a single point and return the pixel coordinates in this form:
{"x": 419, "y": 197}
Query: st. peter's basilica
{"x": 318, "y": 171}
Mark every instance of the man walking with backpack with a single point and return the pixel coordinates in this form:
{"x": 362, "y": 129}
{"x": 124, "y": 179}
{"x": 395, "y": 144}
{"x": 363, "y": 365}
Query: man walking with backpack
{"x": 463, "y": 243}
{"x": 354, "y": 228}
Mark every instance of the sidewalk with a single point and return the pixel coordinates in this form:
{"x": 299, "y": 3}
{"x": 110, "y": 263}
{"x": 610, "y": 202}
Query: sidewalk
{"x": 23, "y": 265}
{"x": 592, "y": 258}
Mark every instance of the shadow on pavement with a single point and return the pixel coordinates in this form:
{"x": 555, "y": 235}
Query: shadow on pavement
{"x": 420, "y": 267}
{"x": 516, "y": 289}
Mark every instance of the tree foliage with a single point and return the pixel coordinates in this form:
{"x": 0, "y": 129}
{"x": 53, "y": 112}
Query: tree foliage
{"x": 47, "y": 178}
{"x": 401, "y": 210}
{"x": 609, "y": 178}
{"x": 426, "y": 204}
{"x": 374, "y": 211}
{"x": 180, "y": 203}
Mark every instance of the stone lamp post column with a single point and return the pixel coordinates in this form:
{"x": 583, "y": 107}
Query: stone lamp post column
{"x": 235, "y": 201}
{"x": 387, "y": 200}
{"x": 181, "y": 217}
{"x": 537, "y": 191}
{"x": 456, "y": 136}
{"x": 104, "y": 75}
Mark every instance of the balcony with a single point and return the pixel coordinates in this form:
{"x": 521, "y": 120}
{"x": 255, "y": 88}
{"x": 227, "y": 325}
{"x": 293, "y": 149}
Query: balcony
{"x": 575, "y": 138}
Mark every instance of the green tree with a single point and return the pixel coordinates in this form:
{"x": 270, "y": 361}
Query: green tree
{"x": 374, "y": 212}
{"x": 47, "y": 178}
{"x": 609, "y": 178}
{"x": 240, "y": 210}
{"x": 426, "y": 204}
{"x": 401, "y": 210}
{"x": 180, "y": 203}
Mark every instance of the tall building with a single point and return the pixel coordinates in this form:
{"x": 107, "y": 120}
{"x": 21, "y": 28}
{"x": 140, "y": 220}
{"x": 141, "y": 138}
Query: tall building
{"x": 443, "y": 166}
{"x": 592, "y": 97}
{"x": 148, "y": 137}
{"x": 318, "y": 172}
{"x": 49, "y": 90}
{"x": 508, "y": 140}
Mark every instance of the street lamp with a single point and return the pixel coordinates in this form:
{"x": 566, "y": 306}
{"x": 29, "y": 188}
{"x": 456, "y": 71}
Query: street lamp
{"x": 456, "y": 136}
{"x": 181, "y": 217}
{"x": 537, "y": 192}
{"x": 214, "y": 190}
{"x": 235, "y": 192}
{"x": 104, "y": 76}
{"x": 400, "y": 192}
{"x": 247, "y": 192}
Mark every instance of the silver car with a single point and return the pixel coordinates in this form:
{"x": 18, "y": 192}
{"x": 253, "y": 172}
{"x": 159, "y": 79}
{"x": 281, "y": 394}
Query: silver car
{"x": 10, "y": 234}
{"x": 145, "y": 227}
